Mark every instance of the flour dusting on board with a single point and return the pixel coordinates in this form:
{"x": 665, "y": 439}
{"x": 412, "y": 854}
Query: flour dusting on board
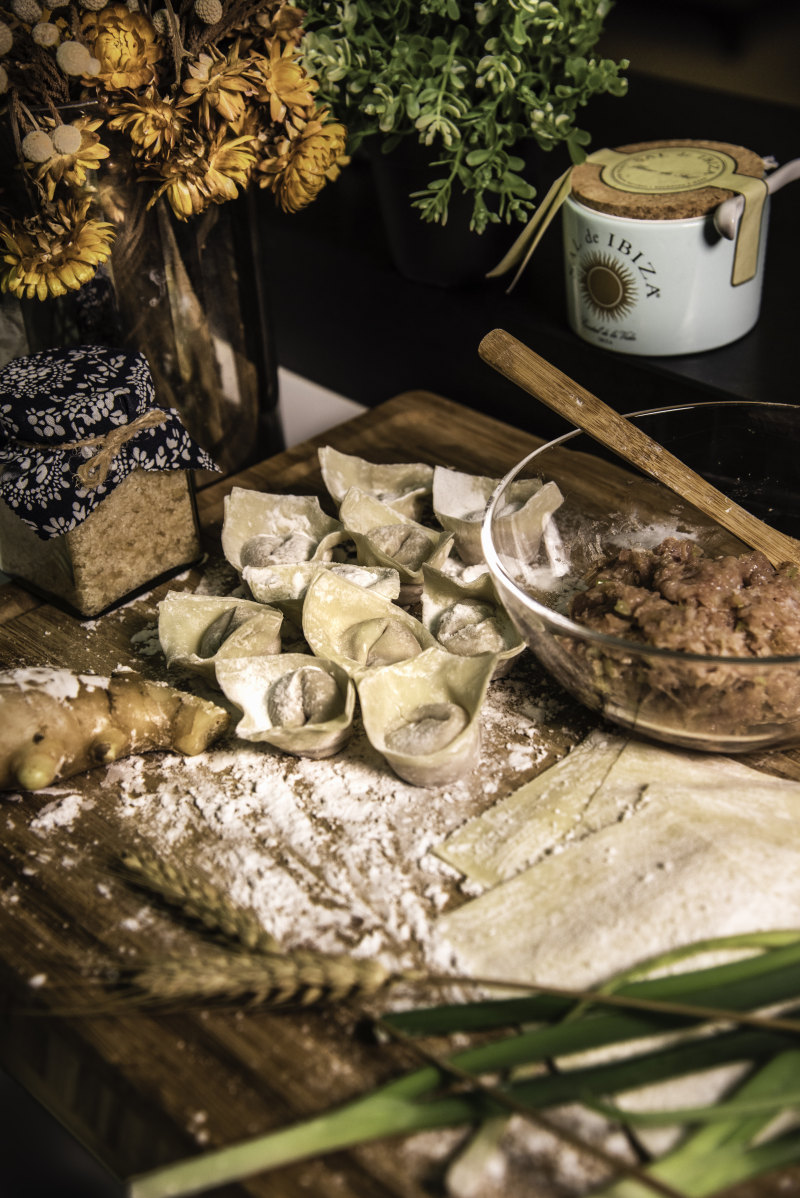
{"x": 60, "y": 813}
{"x": 334, "y": 854}
{"x": 60, "y": 684}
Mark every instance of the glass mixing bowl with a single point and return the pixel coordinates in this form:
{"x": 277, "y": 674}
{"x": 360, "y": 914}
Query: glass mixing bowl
{"x": 540, "y": 561}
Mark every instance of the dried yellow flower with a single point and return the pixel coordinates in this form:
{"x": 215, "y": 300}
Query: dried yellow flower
{"x": 54, "y": 252}
{"x": 71, "y": 168}
{"x": 218, "y": 99}
{"x": 206, "y": 174}
{"x": 281, "y": 81}
{"x": 218, "y": 82}
{"x": 285, "y": 22}
{"x": 297, "y": 169}
{"x": 125, "y": 45}
{"x": 152, "y": 122}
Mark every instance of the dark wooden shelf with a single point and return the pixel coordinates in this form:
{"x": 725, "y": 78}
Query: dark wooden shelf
{"x": 345, "y": 317}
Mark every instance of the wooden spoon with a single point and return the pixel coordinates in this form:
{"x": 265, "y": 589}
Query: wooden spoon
{"x": 542, "y": 380}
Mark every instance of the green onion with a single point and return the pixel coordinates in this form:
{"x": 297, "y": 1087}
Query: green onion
{"x": 710, "y": 1017}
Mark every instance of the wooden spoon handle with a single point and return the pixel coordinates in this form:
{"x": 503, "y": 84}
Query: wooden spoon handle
{"x": 542, "y": 380}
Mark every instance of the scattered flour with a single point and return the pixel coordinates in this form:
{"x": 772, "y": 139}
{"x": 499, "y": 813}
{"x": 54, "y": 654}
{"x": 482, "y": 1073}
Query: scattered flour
{"x": 135, "y": 923}
{"x": 61, "y": 813}
{"x": 335, "y": 854}
{"x": 59, "y": 684}
{"x": 146, "y": 642}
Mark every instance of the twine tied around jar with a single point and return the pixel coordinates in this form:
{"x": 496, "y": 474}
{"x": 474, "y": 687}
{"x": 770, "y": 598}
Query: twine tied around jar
{"x": 93, "y": 472}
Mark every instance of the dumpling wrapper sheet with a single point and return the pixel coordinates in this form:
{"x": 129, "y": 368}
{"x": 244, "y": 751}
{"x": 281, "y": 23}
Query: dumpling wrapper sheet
{"x": 636, "y": 850}
{"x": 601, "y": 781}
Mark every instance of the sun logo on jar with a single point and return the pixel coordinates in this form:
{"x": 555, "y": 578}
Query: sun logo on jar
{"x": 608, "y": 288}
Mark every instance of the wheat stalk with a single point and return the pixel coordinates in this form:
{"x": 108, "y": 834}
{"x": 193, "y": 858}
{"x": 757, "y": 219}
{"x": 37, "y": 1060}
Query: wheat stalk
{"x": 300, "y": 977}
{"x": 307, "y": 976}
{"x": 252, "y": 969}
{"x": 199, "y": 900}
{"x": 252, "y": 966}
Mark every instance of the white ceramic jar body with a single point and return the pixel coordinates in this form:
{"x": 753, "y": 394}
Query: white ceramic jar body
{"x": 655, "y": 287}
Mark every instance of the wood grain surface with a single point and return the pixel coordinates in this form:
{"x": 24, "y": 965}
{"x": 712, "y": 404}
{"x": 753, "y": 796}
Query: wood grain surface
{"x": 137, "y": 1086}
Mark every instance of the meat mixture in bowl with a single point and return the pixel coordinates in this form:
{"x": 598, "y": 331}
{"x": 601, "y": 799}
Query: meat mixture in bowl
{"x": 733, "y": 611}
{"x": 674, "y": 597}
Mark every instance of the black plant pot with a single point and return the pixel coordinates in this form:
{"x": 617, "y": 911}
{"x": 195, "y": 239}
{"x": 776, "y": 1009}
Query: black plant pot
{"x": 448, "y": 255}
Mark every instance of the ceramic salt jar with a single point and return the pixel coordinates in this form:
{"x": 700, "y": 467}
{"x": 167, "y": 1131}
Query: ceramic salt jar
{"x": 647, "y": 271}
{"x": 96, "y": 497}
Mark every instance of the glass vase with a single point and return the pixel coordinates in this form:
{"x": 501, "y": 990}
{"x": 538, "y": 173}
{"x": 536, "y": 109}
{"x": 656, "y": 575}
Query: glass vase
{"x": 191, "y": 295}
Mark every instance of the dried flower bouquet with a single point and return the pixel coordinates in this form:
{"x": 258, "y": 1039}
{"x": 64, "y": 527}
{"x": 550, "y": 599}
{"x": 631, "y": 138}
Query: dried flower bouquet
{"x": 196, "y": 100}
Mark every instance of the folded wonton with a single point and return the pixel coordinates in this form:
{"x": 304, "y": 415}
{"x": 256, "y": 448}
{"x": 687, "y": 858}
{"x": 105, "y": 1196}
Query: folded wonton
{"x": 358, "y": 629}
{"x": 423, "y": 714}
{"x": 261, "y": 529}
{"x": 199, "y": 631}
{"x": 295, "y": 702}
{"x": 404, "y": 487}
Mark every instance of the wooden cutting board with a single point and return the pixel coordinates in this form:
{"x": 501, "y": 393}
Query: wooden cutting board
{"x": 142, "y": 1088}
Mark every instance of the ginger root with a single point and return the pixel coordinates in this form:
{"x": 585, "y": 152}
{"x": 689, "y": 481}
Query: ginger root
{"x": 54, "y": 723}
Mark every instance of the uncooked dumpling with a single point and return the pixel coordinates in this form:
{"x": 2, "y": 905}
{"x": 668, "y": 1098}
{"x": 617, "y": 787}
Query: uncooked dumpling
{"x": 294, "y": 702}
{"x": 409, "y": 547}
{"x": 383, "y": 580}
{"x": 423, "y": 714}
{"x": 221, "y": 628}
{"x": 285, "y": 586}
{"x": 198, "y": 631}
{"x": 261, "y": 528}
{"x": 403, "y": 486}
{"x": 429, "y": 728}
{"x": 384, "y": 537}
{"x": 468, "y": 618}
{"x": 470, "y": 627}
{"x": 307, "y": 695}
{"x": 266, "y": 549}
{"x": 518, "y": 529}
{"x": 357, "y": 628}
{"x": 381, "y": 640}
{"x": 460, "y": 500}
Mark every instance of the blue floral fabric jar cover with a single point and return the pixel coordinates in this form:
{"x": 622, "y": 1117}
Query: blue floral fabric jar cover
{"x": 73, "y": 424}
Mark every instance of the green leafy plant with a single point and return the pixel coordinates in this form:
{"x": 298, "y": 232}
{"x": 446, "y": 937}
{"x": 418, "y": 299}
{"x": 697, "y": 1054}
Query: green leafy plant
{"x": 471, "y": 81}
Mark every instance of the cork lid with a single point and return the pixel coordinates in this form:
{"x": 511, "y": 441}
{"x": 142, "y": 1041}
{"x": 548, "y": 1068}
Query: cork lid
{"x": 663, "y": 180}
